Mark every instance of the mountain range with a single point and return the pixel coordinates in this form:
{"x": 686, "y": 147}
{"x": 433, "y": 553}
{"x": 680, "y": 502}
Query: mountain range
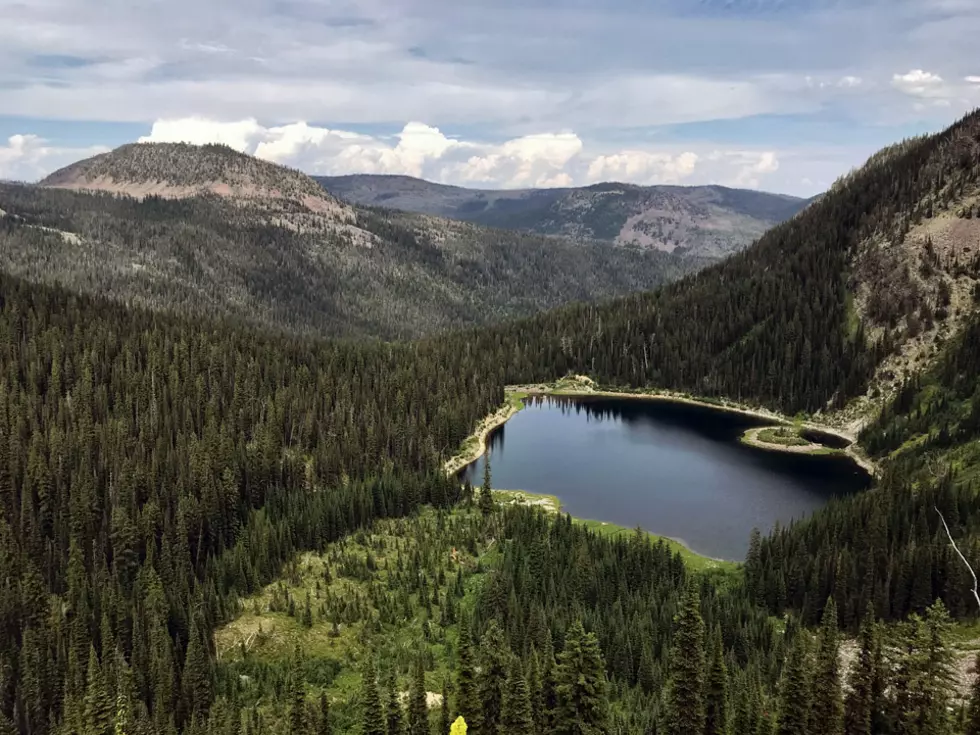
{"x": 206, "y": 229}
{"x": 702, "y": 221}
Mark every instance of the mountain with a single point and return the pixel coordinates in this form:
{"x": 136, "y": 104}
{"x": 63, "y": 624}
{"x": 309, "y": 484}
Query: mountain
{"x": 181, "y": 170}
{"x": 704, "y": 221}
{"x": 208, "y": 230}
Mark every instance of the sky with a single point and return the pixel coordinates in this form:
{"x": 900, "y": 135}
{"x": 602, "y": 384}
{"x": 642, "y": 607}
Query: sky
{"x": 780, "y": 95}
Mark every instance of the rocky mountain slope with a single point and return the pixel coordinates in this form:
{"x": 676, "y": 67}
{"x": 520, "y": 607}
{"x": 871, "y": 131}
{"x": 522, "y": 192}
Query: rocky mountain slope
{"x": 704, "y": 221}
{"x": 205, "y": 229}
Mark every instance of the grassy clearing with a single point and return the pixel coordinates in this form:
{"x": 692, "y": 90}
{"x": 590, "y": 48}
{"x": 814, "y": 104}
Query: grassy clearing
{"x": 395, "y": 589}
{"x": 785, "y": 435}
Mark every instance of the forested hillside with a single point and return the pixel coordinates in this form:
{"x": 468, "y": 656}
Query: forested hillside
{"x": 699, "y": 221}
{"x": 786, "y": 323}
{"x": 312, "y": 267}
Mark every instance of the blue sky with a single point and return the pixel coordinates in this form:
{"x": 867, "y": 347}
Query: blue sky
{"x": 784, "y": 95}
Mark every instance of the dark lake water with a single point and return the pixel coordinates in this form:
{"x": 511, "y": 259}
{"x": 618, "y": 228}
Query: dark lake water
{"x": 675, "y": 469}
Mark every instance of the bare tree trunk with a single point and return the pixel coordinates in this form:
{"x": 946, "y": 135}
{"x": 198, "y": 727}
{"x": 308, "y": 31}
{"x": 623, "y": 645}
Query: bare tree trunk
{"x": 976, "y": 595}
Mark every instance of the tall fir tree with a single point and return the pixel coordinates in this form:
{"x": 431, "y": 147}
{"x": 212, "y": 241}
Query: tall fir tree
{"x": 467, "y": 700}
{"x": 486, "y": 493}
{"x": 827, "y": 708}
{"x": 860, "y": 703}
{"x": 794, "y": 689}
{"x": 395, "y": 716}
{"x": 324, "y": 725}
{"x": 372, "y": 713}
{"x": 515, "y": 715}
{"x": 685, "y": 688}
{"x": 494, "y": 655}
{"x": 582, "y": 706}
{"x": 445, "y": 711}
{"x": 716, "y": 689}
{"x": 418, "y": 707}
{"x": 98, "y": 704}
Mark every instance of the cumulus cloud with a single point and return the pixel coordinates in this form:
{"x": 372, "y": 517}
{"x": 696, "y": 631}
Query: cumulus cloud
{"x": 30, "y": 157}
{"x": 918, "y": 83}
{"x": 971, "y": 80}
{"x": 537, "y": 160}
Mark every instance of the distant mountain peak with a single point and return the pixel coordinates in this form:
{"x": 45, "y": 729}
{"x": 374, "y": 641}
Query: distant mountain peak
{"x": 179, "y": 170}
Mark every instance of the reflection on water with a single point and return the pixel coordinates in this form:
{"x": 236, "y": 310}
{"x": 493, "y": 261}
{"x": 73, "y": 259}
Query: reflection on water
{"x": 675, "y": 469}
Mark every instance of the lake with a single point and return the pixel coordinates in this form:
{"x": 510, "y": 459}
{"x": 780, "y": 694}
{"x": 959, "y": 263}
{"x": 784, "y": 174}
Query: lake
{"x": 673, "y": 468}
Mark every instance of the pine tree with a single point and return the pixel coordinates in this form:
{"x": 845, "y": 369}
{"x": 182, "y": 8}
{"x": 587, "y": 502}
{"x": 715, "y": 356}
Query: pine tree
{"x": 716, "y": 691}
{"x": 860, "y": 701}
{"x": 372, "y": 715}
{"x": 794, "y": 690}
{"x": 515, "y": 715}
{"x": 467, "y": 701}
{"x": 98, "y": 703}
{"x": 196, "y": 679}
{"x": 445, "y": 716}
{"x": 418, "y": 707}
{"x": 827, "y": 708}
{"x": 494, "y": 655}
{"x": 324, "y": 725}
{"x": 395, "y": 716}
{"x": 685, "y": 692}
{"x": 486, "y": 494}
{"x": 297, "y": 704}
{"x": 581, "y": 707}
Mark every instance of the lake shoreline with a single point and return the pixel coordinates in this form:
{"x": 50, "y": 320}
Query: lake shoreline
{"x": 475, "y": 445}
{"x": 552, "y": 504}
{"x": 580, "y": 387}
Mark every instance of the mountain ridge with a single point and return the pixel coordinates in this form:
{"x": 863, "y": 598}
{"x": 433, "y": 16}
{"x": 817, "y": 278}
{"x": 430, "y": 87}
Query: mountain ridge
{"x": 706, "y": 221}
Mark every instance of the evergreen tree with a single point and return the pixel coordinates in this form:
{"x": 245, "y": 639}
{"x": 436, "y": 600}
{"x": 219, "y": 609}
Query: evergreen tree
{"x": 794, "y": 690}
{"x": 418, "y": 707}
{"x": 515, "y": 715}
{"x": 486, "y": 494}
{"x": 685, "y": 689}
{"x": 827, "y": 708}
{"x": 395, "y": 716}
{"x": 716, "y": 690}
{"x": 445, "y": 716}
{"x": 581, "y": 707}
{"x": 860, "y": 702}
{"x": 98, "y": 703}
{"x": 494, "y": 655}
{"x": 372, "y": 714}
{"x": 467, "y": 700}
{"x": 324, "y": 725}
{"x": 196, "y": 679}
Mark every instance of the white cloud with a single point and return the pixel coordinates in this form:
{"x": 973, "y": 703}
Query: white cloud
{"x": 971, "y": 80}
{"x": 538, "y": 160}
{"x": 849, "y": 82}
{"x": 918, "y": 83}
{"x": 30, "y": 157}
